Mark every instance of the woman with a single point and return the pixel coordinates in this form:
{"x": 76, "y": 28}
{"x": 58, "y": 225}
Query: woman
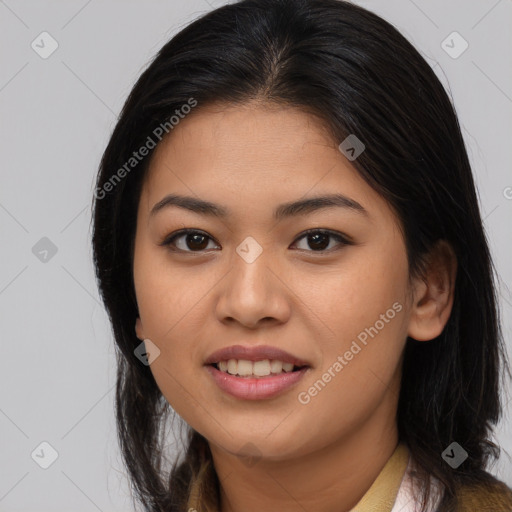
{"x": 288, "y": 243}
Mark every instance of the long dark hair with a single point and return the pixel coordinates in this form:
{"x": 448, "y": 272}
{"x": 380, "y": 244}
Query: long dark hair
{"x": 356, "y": 72}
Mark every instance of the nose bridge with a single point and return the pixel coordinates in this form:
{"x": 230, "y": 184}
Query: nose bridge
{"x": 251, "y": 291}
{"x": 250, "y": 274}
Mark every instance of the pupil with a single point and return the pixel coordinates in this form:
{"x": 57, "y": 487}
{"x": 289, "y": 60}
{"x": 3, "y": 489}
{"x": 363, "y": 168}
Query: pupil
{"x": 196, "y": 241}
{"x": 324, "y": 242}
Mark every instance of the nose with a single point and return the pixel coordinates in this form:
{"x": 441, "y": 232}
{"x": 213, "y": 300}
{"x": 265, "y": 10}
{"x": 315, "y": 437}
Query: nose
{"x": 253, "y": 294}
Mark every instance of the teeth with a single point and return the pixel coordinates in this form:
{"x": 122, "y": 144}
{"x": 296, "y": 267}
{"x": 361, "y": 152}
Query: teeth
{"x": 246, "y": 368}
{"x": 287, "y": 367}
{"x": 232, "y": 366}
{"x": 276, "y": 366}
{"x": 261, "y": 368}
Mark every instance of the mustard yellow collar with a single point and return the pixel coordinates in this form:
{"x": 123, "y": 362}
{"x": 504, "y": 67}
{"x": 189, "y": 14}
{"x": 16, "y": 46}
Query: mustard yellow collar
{"x": 380, "y": 497}
{"x": 382, "y": 494}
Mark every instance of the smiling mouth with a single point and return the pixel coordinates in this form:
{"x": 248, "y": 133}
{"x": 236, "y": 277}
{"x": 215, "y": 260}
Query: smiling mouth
{"x": 256, "y": 369}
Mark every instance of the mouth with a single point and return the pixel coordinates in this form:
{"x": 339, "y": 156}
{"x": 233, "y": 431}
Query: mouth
{"x": 235, "y": 356}
{"x": 247, "y": 369}
{"x": 255, "y": 372}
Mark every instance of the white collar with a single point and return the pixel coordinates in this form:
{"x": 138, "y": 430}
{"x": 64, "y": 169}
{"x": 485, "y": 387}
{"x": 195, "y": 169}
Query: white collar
{"x": 407, "y": 498}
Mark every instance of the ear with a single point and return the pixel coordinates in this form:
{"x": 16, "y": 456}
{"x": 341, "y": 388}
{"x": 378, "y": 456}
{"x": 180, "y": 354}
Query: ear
{"x": 138, "y": 329}
{"x": 433, "y": 294}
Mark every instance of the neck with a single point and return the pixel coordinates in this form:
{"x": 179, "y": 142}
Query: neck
{"x": 331, "y": 479}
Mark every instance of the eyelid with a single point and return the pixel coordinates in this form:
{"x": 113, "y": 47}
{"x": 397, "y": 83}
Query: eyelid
{"x": 167, "y": 241}
{"x": 339, "y": 237}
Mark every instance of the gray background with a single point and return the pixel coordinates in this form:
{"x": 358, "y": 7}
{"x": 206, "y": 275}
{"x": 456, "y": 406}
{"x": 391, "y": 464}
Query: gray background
{"x": 57, "y": 113}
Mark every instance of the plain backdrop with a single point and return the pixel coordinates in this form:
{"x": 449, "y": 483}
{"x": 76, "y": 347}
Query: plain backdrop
{"x": 57, "y": 366}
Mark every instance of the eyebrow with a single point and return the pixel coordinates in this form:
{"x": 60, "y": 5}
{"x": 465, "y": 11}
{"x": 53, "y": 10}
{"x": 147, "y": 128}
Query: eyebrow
{"x": 300, "y": 207}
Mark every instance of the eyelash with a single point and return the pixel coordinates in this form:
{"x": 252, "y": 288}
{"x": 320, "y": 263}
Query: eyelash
{"x": 169, "y": 241}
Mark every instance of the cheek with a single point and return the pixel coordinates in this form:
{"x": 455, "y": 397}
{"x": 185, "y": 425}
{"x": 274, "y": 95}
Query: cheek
{"x": 167, "y": 297}
{"x": 170, "y": 309}
{"x": 360, "y": 361}
{"x": 353, "y": 295}
{"x": 173, "y": 306}
{"x": 159, "y": 311}
{"x": 362, "y": 309}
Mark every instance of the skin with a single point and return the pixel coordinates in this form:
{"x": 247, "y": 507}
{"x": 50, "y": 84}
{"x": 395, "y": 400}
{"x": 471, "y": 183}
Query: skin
{"x": 323, "y": 455}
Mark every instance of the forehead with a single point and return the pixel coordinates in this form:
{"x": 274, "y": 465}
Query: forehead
{"x": 254, "y": 155}
{"x": 249, "y": 134}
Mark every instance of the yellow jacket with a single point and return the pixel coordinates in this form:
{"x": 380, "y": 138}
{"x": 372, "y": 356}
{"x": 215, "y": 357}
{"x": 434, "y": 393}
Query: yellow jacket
{"x": 392, "y": 491}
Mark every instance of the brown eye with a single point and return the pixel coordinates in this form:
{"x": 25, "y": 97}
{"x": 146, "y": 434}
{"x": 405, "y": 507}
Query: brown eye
{"x": 188, "y": 241}
{"x": 319, "y": 240}
{"x": 196, "y": 241}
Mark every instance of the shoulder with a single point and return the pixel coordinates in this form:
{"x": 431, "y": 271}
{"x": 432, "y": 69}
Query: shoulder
{"x": 492, "y": 495}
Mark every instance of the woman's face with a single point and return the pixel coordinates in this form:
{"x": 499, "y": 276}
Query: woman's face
{"x": 253, "y": 278}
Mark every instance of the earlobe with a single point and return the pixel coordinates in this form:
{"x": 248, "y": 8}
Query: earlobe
{"x": 434, "y": 294}
{"x": 138, "y": 329}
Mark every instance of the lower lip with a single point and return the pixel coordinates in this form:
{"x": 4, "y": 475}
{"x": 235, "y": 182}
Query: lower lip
{"x": 257, "y": 388}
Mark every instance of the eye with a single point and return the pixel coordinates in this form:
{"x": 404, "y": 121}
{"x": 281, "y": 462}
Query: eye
{"x": 318, "y": 239}
{"x": 189, "y": 240}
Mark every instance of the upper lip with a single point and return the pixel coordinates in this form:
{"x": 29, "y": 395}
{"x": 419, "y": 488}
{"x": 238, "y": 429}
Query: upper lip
{"x": 253, "y": 353}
